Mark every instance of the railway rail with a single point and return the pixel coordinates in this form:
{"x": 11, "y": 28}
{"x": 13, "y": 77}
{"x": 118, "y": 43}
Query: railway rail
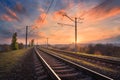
{"x": 62, "y": 69}
{"x": 42, "y": 70}
{"x": 108, "y": 69}
{"x": 105, "y": 59}
{"x": 112, "y": 63}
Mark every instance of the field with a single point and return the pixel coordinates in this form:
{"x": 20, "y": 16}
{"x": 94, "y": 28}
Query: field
{"x": 9, "y": 59}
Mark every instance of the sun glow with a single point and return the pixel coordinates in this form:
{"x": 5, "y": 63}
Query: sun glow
{"x": 79, "y": 40}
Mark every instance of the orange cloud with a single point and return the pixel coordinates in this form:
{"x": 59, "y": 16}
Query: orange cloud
{"x": 101, "y": 14}
{"x": 40, "y": 20}
{"x": 59, "y": 14}
{"x": 91, "y": 34}
{"x": 60, "y": 17}
{"x": 103, "y": 11}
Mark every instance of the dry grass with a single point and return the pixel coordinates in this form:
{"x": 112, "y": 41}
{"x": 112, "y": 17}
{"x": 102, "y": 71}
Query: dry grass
{"x": 9, "y": 59}
{"x": 82, "y": 61}
{"x": 94, "y": 55}
{"x": 99, "y": 56}
{"x": 86, "y": 63}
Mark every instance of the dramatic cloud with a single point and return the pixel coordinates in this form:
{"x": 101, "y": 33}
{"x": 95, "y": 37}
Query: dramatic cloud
{"x": 104, "y": 10}
{"x": 41, "y": 10}
{"x": 5, "y": 17}
{"x": 19, "y": 8}
{"x": 12, "y": 14}
{"x": 100, "y": 19}
{"x": 40, "y": 20}
{"x": 59, "y": 14}
{"x": 9, "y": 16}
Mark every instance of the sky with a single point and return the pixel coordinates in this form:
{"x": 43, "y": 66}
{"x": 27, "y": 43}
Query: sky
{"x": 97, "y": 20}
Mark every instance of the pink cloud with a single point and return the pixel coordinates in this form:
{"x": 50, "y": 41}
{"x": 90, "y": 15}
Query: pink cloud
{"x": 6, "y": 18}
{"x": 19, "y": 8}
{"x": 59, "y": 14}
{"x": 41, "y": 20}
{"x": 103, "y": 11}
{"x": 101, "y": 14}
{"x": 12, "y": 14}
{"x": 41, "y": 10}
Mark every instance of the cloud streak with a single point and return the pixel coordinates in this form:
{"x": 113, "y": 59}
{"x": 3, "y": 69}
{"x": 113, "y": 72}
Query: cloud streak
{"x": 18, "y": 14}
{"x": 12, "y": 14}
{"x": 40, "y": 20}
{"x": 104, "y": 10}
{"x": 19, "y": 8}
{"x": 5, "y": 17}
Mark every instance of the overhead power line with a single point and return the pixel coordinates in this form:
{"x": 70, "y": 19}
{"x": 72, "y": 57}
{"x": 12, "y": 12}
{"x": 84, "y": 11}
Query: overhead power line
{"x": 65, "y": 24}
{"x": 47, "y": 11}
{"x": 75, "y": 24}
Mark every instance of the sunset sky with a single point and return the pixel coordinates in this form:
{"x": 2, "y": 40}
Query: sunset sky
{"x": 101, "y": 20}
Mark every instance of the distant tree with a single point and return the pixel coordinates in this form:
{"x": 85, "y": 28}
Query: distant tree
{"x": 14, "y": 44}
{"x": 32, "y": 42}
{"x": 29, "y": 44}
{"x": 21, "y": 46}
{"x": 90, "y": 49}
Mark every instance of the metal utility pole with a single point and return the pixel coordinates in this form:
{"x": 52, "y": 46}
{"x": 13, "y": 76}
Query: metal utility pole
{"x": 26, "y": 35}
{"x": 75, "y": 34}
{"x": 47, "y": 42}
{"x": 75, "y": 21}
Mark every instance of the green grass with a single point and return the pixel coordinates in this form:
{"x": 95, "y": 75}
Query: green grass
{"x": 9, "y": 59}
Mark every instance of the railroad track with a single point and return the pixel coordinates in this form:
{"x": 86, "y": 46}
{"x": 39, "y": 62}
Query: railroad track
{"x": 41, "y": 69}
{"x": 100, "y": 60}
{"x": 30, "y": 67}
{"x": 62, "y": 69}
{"x": 105, "y": 59}
{"x": 113, "y": 70}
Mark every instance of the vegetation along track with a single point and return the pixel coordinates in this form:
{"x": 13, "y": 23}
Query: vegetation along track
{"x": 98, "y": 65}
{"x": 105, "y": 59}
{"x": 109, "y": 62}
{"x": 67, "y": 70}
{"x": 30, "y": 67}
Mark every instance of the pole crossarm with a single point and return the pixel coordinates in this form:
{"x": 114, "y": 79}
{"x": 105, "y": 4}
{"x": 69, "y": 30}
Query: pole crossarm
{"x": 75, "y": 24}
{"x": 65, "y": 24}
{"x": 68, "y": 17}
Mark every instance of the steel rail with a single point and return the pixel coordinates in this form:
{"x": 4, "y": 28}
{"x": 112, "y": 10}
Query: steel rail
{"x": 100, "y": 58}
{"x": 87, "y": 70}
{"x": 54, "y": 75}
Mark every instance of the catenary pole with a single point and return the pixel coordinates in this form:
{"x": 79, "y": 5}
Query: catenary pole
{"x": 26, "y": 35}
